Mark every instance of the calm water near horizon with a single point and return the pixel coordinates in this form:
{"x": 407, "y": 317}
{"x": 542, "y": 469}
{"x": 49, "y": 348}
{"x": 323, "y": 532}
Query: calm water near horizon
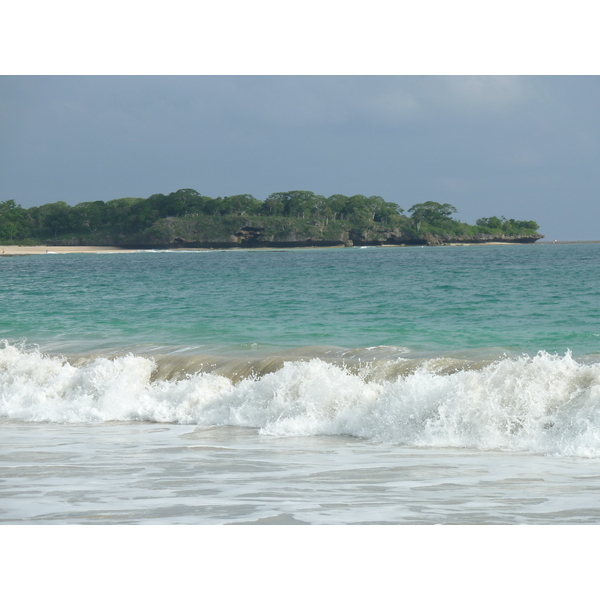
{"x": 417, "y": 385}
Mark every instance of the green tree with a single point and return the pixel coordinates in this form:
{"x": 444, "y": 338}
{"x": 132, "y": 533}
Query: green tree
{"x": 88, "y": 216}
{"x": 180, "y": 203}
{"x": 490, "y": 222}
{"x": 338, "y": 204}
{"x": 7, "y": 207}
{"x": 432, "y": 213}
{"x": 515, "y": 227}
{"x": 118, "y": 212}
{"x": 300, "y": 203}
{"x": 54, "y": 218}
{"x": 14, "y": 221}
{"x": 242, "y": 204}
{"x": 274, "y": 205}
{"x": 143, "y": 215}
{"x": 9, "y": 231}
{"x": 212, "y": 206}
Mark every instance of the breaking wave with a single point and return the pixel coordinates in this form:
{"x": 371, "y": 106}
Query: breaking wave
{"x": 544, "y": 403}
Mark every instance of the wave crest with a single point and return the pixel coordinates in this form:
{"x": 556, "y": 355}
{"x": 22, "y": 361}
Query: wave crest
{"x": 545, "y": 403}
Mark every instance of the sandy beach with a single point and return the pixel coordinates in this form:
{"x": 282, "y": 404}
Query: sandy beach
{"x": 30, "y": 250}
{"x": 25, "y": 250}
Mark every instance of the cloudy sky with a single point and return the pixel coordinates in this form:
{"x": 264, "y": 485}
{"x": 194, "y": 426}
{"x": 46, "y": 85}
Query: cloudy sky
{"x": 522, "y": 147}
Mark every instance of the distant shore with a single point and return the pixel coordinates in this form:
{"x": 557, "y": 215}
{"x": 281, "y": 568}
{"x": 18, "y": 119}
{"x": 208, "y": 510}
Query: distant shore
{"x": 573, "y": 242}
{"x": 27, "y": 250}
{"x": 31, "y": 250}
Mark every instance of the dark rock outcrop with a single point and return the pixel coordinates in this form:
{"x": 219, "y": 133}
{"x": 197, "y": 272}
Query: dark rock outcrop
{"x": 248, "y": 235}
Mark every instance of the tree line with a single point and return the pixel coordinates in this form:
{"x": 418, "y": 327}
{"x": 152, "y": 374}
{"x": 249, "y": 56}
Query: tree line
{"x": 131, "y": 216}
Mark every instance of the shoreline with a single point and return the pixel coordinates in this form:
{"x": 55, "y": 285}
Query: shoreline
{"x": 31, "y": 250}
{"x": 35, "y": 250}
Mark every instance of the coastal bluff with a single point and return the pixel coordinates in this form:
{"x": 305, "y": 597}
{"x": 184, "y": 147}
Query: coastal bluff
{"x": 255, "y": 242}
{"x": 178, "y": 234}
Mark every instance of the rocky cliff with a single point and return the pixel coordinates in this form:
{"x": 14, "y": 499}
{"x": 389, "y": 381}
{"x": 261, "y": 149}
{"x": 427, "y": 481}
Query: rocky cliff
{"x": 272, "y": 232}
{"x": 176, "y": 233}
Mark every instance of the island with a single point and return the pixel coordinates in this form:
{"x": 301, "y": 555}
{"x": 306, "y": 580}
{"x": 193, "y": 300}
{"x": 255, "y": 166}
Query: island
{"x": 187, "y": 219}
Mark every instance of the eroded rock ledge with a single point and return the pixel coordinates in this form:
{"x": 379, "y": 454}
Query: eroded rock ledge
{"x": 254, "y": 237}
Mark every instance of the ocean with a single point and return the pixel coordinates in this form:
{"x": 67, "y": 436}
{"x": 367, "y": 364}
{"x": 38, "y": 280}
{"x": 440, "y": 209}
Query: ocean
{"x": 417, "y": 385}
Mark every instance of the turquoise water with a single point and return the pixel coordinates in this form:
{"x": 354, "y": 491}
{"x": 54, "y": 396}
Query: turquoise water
{"x": 376, "y": 385}
{"x": 431, "y": 300}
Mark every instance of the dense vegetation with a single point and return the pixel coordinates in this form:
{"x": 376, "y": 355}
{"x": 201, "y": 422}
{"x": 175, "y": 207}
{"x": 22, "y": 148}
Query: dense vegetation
{"x": 187, "y": 216}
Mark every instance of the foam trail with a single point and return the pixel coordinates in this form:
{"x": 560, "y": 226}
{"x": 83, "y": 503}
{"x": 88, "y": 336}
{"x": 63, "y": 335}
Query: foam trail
{"x": 545, "y": 403}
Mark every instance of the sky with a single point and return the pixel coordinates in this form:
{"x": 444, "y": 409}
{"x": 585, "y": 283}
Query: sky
{"x": 523, "y": 147}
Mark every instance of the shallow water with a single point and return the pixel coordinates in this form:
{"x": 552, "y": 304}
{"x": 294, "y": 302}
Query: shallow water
{"x": 378, "y": 385}
{"x": 132, "y": 473}
{"x": 430, "y": 300}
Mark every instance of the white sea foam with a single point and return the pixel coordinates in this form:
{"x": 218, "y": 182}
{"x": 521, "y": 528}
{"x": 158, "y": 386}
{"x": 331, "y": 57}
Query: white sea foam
{"x": 545, "y": 403}
{"x": 178, "y": 251}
